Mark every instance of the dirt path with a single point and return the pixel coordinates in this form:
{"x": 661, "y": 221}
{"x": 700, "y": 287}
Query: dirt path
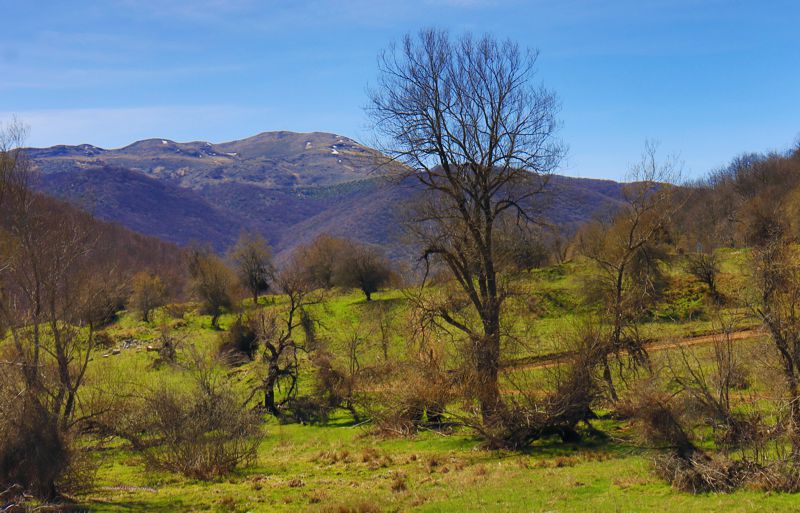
{"x": 550, "y": 360}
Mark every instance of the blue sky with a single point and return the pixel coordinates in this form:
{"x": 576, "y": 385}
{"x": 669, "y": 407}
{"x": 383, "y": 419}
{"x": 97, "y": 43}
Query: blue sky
{"x": 708, "y": 79}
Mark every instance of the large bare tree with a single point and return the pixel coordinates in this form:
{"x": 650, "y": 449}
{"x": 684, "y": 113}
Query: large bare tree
{"x": 466, "y": 117}
{"x": 51, "y": 292}
{"x": 277, "y": 333}
{"x": 776, "y": 280}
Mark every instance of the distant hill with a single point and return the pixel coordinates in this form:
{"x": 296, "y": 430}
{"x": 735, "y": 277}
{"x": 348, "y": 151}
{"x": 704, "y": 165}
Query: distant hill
{"x": 288, "y": 186}
{"x": 116, "y": 247}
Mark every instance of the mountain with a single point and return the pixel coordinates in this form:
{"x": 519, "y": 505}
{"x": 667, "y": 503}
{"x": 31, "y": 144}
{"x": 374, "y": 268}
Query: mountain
{"x": 288, "y": 186}
{"x": 153, "y": 207}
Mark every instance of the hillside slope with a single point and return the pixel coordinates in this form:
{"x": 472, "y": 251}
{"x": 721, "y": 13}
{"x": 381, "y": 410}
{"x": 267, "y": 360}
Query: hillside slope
{"x": 288, "y": 186}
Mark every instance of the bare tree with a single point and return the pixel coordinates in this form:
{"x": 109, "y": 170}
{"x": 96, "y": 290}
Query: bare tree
{"x": 522, "y": 247}
{"x": 212, "y": 283}
{"x": 13, "y": 163}
{"x": 776, "y": 276}
{"x": 148, "y": 293}
{"x": 319, "y": 259}
{"x": 50, "y": 314}
{"x": 51, "y": 296}
{"x": 464, "y": 115}
{"x": 362, "y": 267}
{"x": 705, "y": 268}
{"x": 277, "y": 332}
{"x": 626, "y": 250}
{"x": 50, "y": 303}
{"x": 252, "y": 258}
{"x": 710, "y": 384}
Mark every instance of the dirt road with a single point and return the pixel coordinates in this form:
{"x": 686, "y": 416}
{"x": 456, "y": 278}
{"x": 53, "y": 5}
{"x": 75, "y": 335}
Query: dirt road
{"x": 550, "y": 360}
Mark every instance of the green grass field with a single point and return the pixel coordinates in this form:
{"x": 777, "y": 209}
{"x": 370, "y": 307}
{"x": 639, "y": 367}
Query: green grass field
{"x": 341, "y": 467}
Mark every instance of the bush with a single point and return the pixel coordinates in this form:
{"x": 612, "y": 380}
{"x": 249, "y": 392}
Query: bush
{"x": 703, "y": 474}
{"x": 176, "y": 310}
{"x": 410, "y": 396}
{"x": 240, "y": 342}
{"x": 306, "y": 410}
{"x": 659, "y": 418}
{"x": 573, "y": 387}
{"x": 201, "y": 431}
{"x": 38, "y": 455}
{"x": 104, "y": 340}
{"x": 333, "y": 387}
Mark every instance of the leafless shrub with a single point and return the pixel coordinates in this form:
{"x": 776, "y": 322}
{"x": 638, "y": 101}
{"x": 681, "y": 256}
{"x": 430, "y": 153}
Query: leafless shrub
{"x": 411, "y": 395}
{"x": 201, "y": 430}
{"x": 38, "y": 455}
{"x": 167, "y": 349}
{"x": 176, "y": 310}
{"x": 659, "y": 418}
{"x": 240, "y": 343}
{"x": 777, "y": 476}
{"x": 556, "y": 405}
{"x": 104, "y": 341}
{"x": 306, "y": 409}
{"x": 708, "y": 388}
{"x": 701, "y": 473}
{"x": 663, "y": 422}
{"x": 334, "y": 387}
{"x": 705, "y": 268}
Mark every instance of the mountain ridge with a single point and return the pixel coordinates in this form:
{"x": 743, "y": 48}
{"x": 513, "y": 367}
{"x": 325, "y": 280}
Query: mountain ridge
{"x": 288, "y": 186}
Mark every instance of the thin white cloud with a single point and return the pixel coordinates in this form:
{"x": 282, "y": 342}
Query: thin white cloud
{"x": 53, "y": 78}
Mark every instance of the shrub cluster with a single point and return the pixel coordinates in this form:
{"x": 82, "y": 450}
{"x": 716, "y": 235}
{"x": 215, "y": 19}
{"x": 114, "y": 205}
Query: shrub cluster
{"x": 200, "y": 430}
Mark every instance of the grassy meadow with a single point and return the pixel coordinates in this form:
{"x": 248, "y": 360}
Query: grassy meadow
{"x": 343, "y": 466}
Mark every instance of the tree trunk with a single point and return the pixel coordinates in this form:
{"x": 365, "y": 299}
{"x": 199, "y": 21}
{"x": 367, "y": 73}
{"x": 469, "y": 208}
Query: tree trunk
{"x": 487, "y": 365}
{"x": 269, "y": 390}
{"x": 794, "y": 408}
{"x": 616, "y": 334}
{"x": 612, "y": 390}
